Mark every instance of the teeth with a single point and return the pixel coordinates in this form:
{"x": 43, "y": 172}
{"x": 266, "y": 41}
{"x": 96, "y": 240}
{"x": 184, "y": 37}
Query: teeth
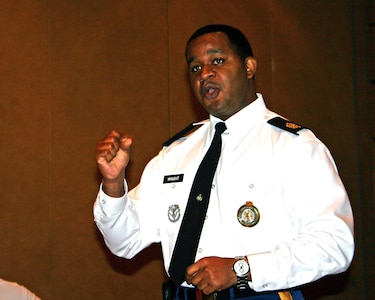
{"x": 209, "y": 91}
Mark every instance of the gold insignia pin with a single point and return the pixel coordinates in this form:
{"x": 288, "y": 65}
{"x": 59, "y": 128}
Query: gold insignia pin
{"x": 248, "y": 215}
{"x": 292, "y": 125}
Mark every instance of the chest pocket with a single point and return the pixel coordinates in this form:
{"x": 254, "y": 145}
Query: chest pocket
{"x": 174, "y": 193}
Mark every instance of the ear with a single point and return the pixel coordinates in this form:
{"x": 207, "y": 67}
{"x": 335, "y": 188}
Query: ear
{"x": 251, "y": 66}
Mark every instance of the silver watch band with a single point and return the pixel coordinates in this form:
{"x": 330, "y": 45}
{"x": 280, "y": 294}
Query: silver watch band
{"x": 242, "y": 280}
{"x": 242, "y": 283}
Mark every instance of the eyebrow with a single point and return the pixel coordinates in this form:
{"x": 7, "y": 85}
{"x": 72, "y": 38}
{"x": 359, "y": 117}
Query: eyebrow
{"x": 209, "y": 52}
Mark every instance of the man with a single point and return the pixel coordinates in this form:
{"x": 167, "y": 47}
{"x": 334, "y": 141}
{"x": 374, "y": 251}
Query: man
{"x": 278, "y": 214}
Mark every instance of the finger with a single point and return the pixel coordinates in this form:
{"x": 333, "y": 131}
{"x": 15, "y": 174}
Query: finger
{"x": 195, "y": 280}
{"x": 204, "y": 286}
{"x": 108, "y": 147}
{"x": 125, "y": 142}
{"x": 208, "y": 290}
{"x": 113, "y": 138}
{"x": 107, "y": 150}
{"x": 193, "y": 269}
{"x": 115, "y": 133}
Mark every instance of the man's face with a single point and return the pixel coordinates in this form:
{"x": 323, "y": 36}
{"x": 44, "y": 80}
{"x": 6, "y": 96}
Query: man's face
{"x": 218, "y": 77}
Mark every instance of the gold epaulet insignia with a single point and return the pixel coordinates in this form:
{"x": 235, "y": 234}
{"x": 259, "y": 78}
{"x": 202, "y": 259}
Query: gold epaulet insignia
{"x": 286, "y": 125}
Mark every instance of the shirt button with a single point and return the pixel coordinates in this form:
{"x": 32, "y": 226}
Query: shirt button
{"x": 200, "y": 250}
{"x": 103, "y": 201}
{"x": 212, "y": 186}
{"x": 251, "y": 185}
{"x": 265, "y": 285}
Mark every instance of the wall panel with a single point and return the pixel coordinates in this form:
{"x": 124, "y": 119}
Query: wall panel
{"x": 109, "y": 70}
{"x": 24, "y": 150}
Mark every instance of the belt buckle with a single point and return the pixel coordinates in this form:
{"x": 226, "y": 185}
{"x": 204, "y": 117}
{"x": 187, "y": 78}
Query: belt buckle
{"x": 212, "y": 296}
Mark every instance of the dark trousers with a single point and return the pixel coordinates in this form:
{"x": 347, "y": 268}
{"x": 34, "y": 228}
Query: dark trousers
{"x": 170, "y": 292}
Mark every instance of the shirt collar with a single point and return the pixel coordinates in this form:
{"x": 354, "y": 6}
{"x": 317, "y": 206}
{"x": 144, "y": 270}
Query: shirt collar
{"x": 249, "y": 116}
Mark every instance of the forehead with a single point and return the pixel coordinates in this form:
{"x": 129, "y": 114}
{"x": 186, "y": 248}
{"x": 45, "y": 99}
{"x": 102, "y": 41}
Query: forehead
{"x": 208, "y": 44}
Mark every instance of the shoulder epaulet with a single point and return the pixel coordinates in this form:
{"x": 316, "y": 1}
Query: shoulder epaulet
{"x": 286, "y": 125}
{"x": 182, "y": 133}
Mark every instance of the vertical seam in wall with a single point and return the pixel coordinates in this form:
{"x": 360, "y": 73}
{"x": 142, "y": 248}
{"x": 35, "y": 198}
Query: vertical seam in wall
{"x": 168, "y": 71}
{"x": 49, "y": 186}
{"x": 358, "y": 137}
{"x": 271, "y": 51}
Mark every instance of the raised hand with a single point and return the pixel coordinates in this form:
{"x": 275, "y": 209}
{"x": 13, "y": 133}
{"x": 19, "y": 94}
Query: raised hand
{"x": 112, "y": 156}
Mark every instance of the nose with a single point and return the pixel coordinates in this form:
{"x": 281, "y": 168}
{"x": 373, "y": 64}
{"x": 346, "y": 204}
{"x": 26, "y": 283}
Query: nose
{"x": 206, "y": 73}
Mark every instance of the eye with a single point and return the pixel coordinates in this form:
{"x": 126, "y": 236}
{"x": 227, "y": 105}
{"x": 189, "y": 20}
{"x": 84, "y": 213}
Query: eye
{"x": 196, "y": 69}
{"x": 218, "y": 61}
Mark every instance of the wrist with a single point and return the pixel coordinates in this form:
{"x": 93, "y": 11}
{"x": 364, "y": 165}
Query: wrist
{"x": 113, "y": 187}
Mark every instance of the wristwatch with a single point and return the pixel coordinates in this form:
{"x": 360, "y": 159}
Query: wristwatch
{"x": 241, "y": 268}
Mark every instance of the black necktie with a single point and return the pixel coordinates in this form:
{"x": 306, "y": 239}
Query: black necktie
{"x": 188, "y": 237}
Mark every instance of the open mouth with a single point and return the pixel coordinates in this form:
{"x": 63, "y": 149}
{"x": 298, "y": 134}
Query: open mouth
{"x": 210, "y": 92}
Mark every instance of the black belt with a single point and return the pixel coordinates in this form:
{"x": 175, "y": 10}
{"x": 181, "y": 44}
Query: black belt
{"x": 193, "y": 294}
{"x": 185, "y": 293}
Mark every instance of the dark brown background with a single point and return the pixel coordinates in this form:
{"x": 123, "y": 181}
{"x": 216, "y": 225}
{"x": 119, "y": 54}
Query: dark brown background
{"x": 73, "y": 70}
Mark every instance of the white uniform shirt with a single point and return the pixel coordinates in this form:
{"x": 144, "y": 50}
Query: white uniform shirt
{"x": 306, "y": 224}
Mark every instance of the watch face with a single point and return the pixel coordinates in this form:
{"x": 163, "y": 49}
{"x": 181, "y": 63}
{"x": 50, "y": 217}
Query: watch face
{"x": 241, "y": 267}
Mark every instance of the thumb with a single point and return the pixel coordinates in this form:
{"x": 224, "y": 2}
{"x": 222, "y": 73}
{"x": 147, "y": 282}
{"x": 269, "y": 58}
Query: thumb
{"x": 125, "y": 142}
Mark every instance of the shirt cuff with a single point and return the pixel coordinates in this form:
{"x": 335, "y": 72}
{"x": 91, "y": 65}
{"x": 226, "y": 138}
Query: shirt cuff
{"x": 112, "y": 205}
{"x": 261, "y": 266}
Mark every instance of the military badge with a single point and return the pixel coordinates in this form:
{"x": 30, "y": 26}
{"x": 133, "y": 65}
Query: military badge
{"x": 248, "y": 215}
{"x": 174, "y": 213}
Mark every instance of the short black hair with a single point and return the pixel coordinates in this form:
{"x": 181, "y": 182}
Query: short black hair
{"x": 236, "y": 38}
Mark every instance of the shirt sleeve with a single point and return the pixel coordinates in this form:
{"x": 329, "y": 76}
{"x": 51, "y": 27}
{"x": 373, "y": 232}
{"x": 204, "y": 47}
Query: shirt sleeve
{"x": 117, "y": 220}
{"x": 127, "y": 223}
{"x": 319, "y": 209}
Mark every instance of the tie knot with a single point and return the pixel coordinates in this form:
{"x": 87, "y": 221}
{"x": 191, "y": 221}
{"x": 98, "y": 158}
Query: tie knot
{"x": 220, "y": 127}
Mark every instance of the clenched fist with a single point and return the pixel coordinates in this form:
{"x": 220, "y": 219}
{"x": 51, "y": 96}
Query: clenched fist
{"x": 112, "y": 155}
